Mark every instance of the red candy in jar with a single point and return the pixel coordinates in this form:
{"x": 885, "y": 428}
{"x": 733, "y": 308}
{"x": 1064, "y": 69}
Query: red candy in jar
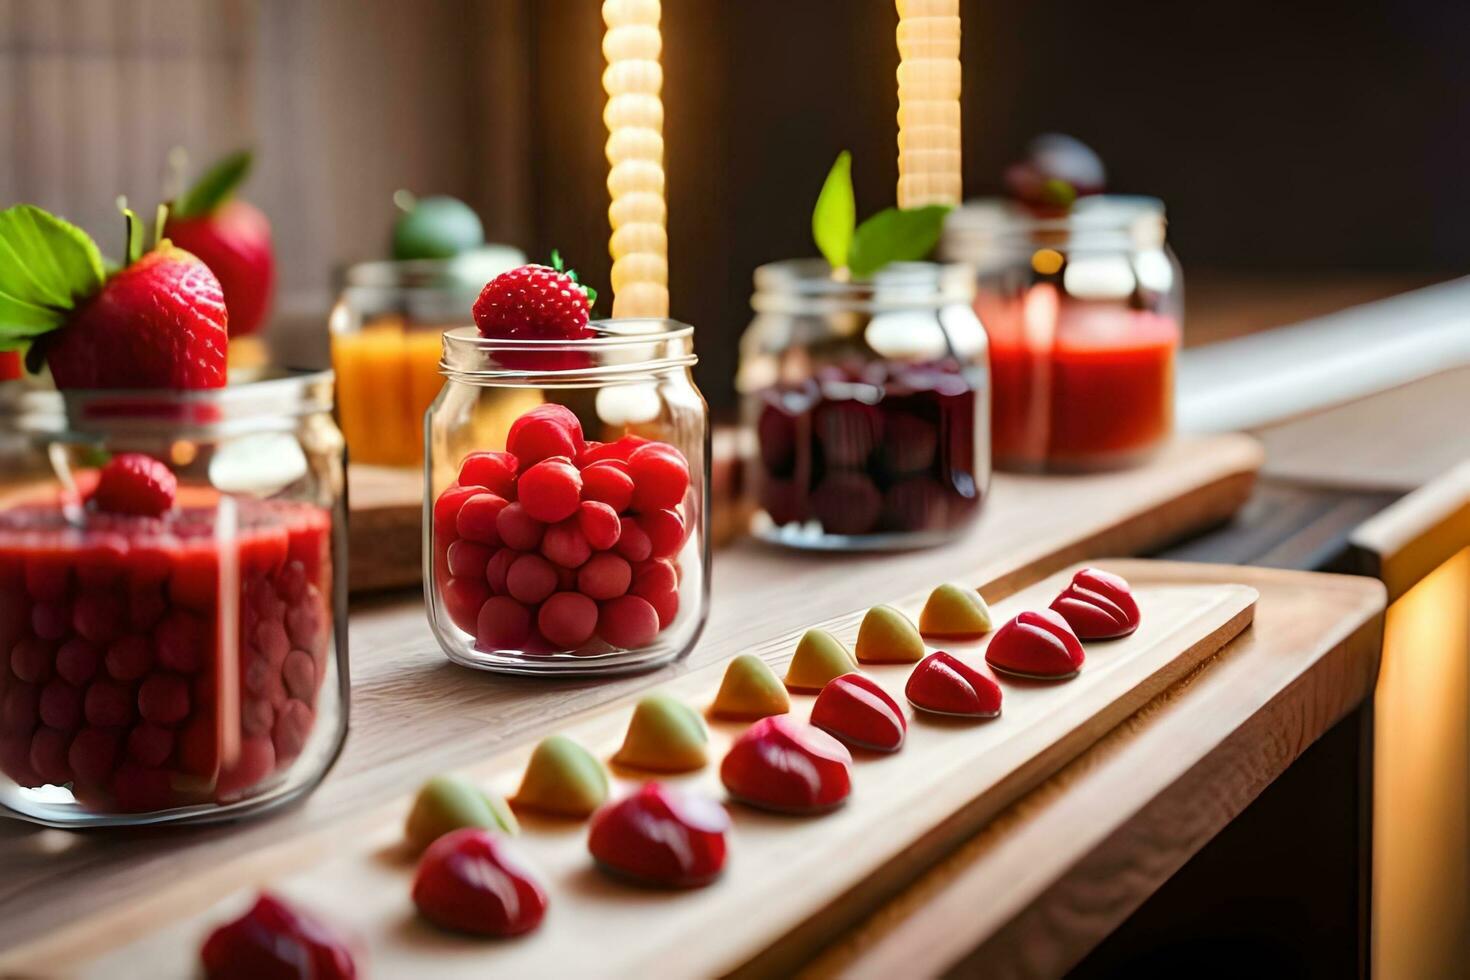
{"x": 659, "y": 836}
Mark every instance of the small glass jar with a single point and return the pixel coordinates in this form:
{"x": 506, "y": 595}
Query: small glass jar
{"x": 609, "y": 576}
{"x": 385, "y": 345}
{"x": 1083, "y": 312}
{"x": 869, "y": 404}
{"x": 185, "y": 667}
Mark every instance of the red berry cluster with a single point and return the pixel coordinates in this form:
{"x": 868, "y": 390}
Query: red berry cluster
{"x": 561, "y": 541}
{"x": 110, "y": 664}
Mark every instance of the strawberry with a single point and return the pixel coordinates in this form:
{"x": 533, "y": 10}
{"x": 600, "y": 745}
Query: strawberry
{"x": 134, "y": 483}
{"x": 230, "y": 236}
{"x": 159, "y": 322}
{"x": 535, "y": 302}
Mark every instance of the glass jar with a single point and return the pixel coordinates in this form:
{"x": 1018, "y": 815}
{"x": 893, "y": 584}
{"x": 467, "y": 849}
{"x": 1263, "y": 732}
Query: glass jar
{"x": 869, "y": 404}
{"x": 599, "y": 563}
{"x": 190, "y": 666}
{"x": 1083, "y": 312}
{"x": 385, "y": 345}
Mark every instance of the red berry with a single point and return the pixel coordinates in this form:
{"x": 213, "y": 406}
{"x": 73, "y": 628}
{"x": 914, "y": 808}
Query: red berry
{"x": 497, "y": 568}
{"x": 599, "y": 523}
{"x": 566, "y": 545}
{"x": 551, "y": 490}
{"x": 133, "y": 483}
{"x": 665, "y": 530}
{"x": 469, "y": 881}
{"x": 518, "y": 529}
{"x": 495, "y": 472}
{"x": 467, "y": 559}
{"x": 633, "y": 543}
{"x": 275, "y": 940}
{"x": 503, "y": 624}
{"x": 605, "y": 576}
{"x": 530, "y": 579}
{"x": 567, "y": 620}
{"x": 608, "y": 481}
{"x": 477, "y": 516}
{"x": 660, "y": 476}
{"x": 628, "y": 622}
{"x": 463, "y": 598}
{"x": 234, "y": 240}
{"x": 533, "y": 301}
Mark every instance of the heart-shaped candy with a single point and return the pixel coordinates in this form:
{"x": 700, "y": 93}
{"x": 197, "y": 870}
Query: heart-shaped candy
{"x": 1098, "y": 605}
{"x": 1037, "y": 644}
{"x": 946, "y": 685}
{"x": 658, "y": 836}
{"x": 782, "y": 765}
{"x": 855, "y": 709}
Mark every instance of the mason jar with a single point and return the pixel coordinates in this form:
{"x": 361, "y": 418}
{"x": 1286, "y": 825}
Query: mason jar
{"x": 868, "y": 403}
{"x": 385, "y": 331}
{"x": 189, "y": 666}
{"x": 570, "y": 536}
{"x": 1083, "y": 311}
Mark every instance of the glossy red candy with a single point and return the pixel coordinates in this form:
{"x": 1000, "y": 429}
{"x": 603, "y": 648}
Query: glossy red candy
{"x": 780, "y": 764}
{"x": 858, "y": 711}
{"x": 1098, "y": 605}
{"x": 1039, "y": 644}
{"x": 946, "y": 685}
{"x": 659, "y": 836}
{"x": 470, "y": 881}
{"x": 274, "y": 940}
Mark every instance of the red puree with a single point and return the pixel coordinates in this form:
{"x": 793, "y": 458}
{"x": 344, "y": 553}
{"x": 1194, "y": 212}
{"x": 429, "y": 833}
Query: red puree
{"x": 112, "y": 675}
{"x": 1090, "y": 386}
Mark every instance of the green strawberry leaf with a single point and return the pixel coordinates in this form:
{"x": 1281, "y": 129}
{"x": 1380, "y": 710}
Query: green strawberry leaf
{"x": 47, "y": 268}
{"x": 893, "y": 235}
{"x": 215, "y": 187}
{"x": 560, "y": 265}
{"x": 835, "y": 214}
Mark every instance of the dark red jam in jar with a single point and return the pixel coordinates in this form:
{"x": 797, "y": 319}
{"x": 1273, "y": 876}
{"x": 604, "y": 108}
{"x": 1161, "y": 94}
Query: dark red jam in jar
{"x": 869, "y": 405}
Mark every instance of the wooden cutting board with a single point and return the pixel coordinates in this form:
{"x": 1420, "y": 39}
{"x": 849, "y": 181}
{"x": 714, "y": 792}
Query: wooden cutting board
{"x": 906, "y": 811}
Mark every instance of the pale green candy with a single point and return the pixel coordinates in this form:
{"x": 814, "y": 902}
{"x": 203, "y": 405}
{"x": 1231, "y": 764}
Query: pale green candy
{"x": 819, "y": 657}
{"x": 665, "y": 735}
{"x": 448, "y": 803}
{"x": 562, "y": 779}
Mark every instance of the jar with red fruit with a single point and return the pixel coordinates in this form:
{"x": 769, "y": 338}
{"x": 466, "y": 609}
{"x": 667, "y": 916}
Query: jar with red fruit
{"x": 868, "y": 404}
{"x": 172, "y": 603}
{"x": 1082, "y": 306}
{"x": 570, "y": 538}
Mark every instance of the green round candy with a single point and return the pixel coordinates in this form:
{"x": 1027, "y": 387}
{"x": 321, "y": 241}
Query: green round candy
{"x": 449, "y": 803}
{"x": 436, "y": 227}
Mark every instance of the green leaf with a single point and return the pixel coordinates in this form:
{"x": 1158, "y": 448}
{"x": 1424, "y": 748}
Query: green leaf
{"x": 835, "y": 215}
{"x": 47, "y": 267}
{"x": 212, "y": 189}
{"x": 892, "y": 235}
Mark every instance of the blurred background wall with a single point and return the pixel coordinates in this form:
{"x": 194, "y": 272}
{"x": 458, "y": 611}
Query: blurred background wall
{"x": 1312, "y": 140}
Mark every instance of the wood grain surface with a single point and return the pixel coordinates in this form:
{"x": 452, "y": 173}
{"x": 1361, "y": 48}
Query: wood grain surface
{"x": 1408, "y": 540}
{"x": 906, "y": 809}
{"x": 1059, "y": 870}
{"x": 410, "y": 704}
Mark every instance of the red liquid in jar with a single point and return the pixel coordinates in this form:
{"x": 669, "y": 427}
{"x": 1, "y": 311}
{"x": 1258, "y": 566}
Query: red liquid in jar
{"x": 1079, "y": 385}
{"x": 143, "y": 667}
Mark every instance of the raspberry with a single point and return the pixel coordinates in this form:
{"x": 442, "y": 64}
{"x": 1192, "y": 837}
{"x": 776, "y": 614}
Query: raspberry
{"x": 567, "y": 619}
{"x": 551, "y": 490}
{"x": 133, "y": 483}
{"x": 495, "y": 472}
{"x": 599, "y": 524}
{"x": 660, "y": 476}
{"x": 608, "y": 482}
{"x": 533, "y": 302}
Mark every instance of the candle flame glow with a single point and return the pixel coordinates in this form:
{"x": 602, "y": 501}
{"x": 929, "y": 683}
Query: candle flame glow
{"x": 928, "y": 103}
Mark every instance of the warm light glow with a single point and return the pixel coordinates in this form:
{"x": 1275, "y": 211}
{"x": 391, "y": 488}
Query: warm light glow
{"x": 1047, "y": 261}
{"x": 928, "y": 103}
{"x": 635, "y": 153}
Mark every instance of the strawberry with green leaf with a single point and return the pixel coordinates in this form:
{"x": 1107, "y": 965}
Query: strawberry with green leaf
{"x": 158, "y": 322}
{"x": 857, "y": 251}
{"x": 232, "y": 236}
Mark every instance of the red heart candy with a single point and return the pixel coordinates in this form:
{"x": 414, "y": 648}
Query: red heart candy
{"x": 470, "y": 881}
{"x": 782, "y": 765}
{"x": 1037, "y": 643}
{"x": 858, "y": 711}
{"x": 1098, "y": 605}
{"x": 275, "y": 940}
{"x": 947, "y": 685}
{"x": 659, "y": 836}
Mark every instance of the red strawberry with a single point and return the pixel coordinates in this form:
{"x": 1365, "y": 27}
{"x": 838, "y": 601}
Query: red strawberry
{"x": 468, "y": 881}
{"x": 133, "y": 483}
{"x": 535, "y": 302}
{"x": 234, "y": 240}
{"x": 159, "y": 323}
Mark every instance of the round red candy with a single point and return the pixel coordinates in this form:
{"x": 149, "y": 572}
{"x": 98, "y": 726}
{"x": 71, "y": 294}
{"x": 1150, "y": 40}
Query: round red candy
{"x": 665, "y": 530}
{"x": 628, "y": 622}
{"x": 495, "y": 472}
{"x": 98, "y": 616}
{"x": 654, "y": 578}
{"x": 150, "y": 745}
{"x": 446, "y": 508}
{"x": 78, "y": 660}
{"x": 551, "y": 490}
{"x": 518, "y": 529}
{"x": 467, "y": 559}
{"x": 856, "y": 709}
{"x": 498, "y": 567}
{"x": 469, "y": 881}
{"x": 633, "y": 543}
{"x": 619, "y": 449}
{"x": 48, "y": 755}
{"x": 477, "y": 516}
{"x": 783, "y": 765}
{"x": 567, "y": 620}
{"x": 946, "y": 685}
{"x": 530, "y": 579}
{"x": 137, "y": 484}
{"x": 1098, "y": 605}
{"x": 463, "y": 598}
{"x": 503, "y": 624}
{"x": 599, "y": 524}
{"x": 565, "y": 544}
{"x": 1037, "y": 644}
{"x": 605, "y": 576}
{"x": 660, "y": 476}
{"x": 545, "y": 431}
{"x": 108, "y": 705}
{"x": 659, "y": 836}
{"x": 607, "y": 481}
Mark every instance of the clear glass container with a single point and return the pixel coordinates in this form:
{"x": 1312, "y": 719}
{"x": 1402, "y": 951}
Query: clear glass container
{"x": 186, "y": 667}
{"x": 1083, "y": 312}
{"x": 869, "y": 405}
{"x": 385, "y": 332}
{"x": 517, "y": 578}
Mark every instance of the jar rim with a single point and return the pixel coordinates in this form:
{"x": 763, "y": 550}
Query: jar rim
{"x": 611, "y": 352}
{"x": 805, "y": 287}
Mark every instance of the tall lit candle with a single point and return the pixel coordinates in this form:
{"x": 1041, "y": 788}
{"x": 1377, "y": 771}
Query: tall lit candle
{"x": 928, "y": 102}
{"x": 635, "y": 153}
